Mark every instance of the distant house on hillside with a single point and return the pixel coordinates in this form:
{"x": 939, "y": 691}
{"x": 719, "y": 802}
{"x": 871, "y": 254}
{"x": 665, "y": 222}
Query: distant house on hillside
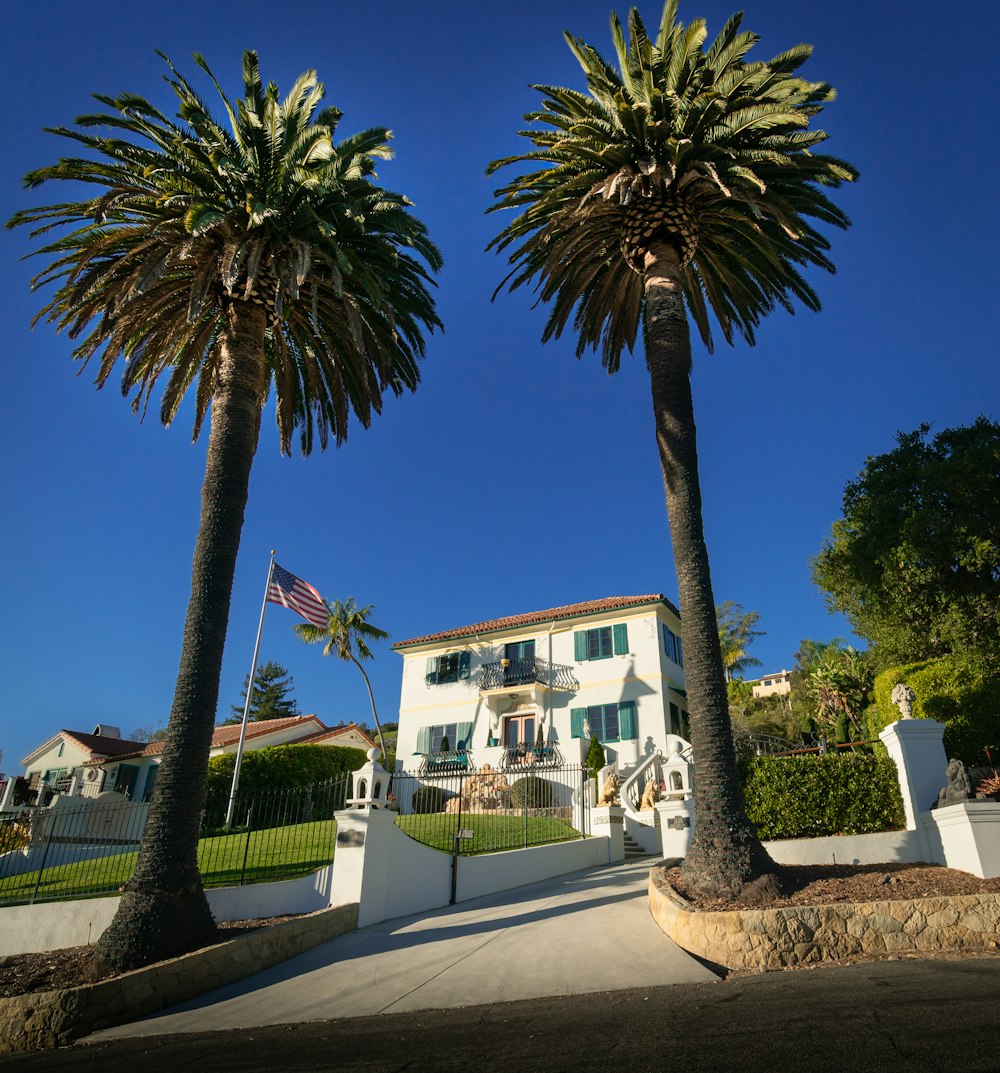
{"x": 772, "y": 685}
{"x": 105, "y": 761}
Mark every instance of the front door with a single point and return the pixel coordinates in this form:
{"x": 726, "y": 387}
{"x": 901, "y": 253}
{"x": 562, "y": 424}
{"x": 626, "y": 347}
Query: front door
{"x": 519, "y": 730}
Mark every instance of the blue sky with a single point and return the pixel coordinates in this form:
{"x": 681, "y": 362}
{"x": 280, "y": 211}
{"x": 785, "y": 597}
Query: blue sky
{"x": 516, "y": 477}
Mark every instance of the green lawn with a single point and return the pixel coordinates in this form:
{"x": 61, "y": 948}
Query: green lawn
{"x": 272, "y": 853}
{"x": 490, "y": 832}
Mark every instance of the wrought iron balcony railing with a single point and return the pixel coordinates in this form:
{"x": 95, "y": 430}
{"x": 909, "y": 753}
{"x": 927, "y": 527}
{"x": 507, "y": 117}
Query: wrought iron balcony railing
{"x": 514, "y": 672}
{"x": 531, "y": 754}
{"x": 446, "y": 763}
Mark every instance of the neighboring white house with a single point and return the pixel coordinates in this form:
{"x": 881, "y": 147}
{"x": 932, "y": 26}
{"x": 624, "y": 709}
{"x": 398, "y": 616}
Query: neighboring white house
{"x": 106, "y": 761}
{"x": 772, "y": 685}
{"x": 612, "y": 667}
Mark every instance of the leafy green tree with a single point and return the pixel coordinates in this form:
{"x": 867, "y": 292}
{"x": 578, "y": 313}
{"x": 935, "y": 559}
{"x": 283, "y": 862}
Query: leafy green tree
{"x": 737, "y": 631}
{"x": 236, "y": 257}
{"x": 914, "y": 563}
{"x": 840, "y": 685}
{"x": 271, "y": 699}
{"x": 684, "y": 180}
{"x": 346, "y": 636}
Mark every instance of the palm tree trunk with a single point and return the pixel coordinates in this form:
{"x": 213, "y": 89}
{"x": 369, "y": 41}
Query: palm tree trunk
{"x": 725, "y": 852}
{"x": 163, "y": 910}
{"x": 371, "y": 698}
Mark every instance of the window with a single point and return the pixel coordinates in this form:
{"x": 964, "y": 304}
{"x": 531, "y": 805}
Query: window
{"x": 444, "y": 738}
{"x": 451, "y": 667}
{"x": 62, "y": 748}
{"x": 601, "y": 643}
{"x": 610, "y": 722}
{"x": 673, "y": 646}
{"x": 519, "y": 730}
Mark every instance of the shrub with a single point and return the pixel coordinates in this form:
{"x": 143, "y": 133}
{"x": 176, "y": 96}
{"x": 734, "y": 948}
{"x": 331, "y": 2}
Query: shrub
{"x": 429, "y": 799}
{"x": 957, "y": 692}
{"x": 531, "y": 792}
{"x": 810, "y": 796}
{"x": 283, "y": 767}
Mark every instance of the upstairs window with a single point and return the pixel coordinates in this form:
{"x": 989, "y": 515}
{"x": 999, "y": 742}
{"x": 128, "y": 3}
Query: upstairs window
{"x": 601, "y": 643}
{"x": 444, "y": 738}
{"x": 451, "y": 667}
{"x": 610, "y": 722}
{"x": 673, "y": 646}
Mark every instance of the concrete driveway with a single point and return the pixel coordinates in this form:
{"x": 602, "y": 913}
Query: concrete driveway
{"x": 585, "y": 932}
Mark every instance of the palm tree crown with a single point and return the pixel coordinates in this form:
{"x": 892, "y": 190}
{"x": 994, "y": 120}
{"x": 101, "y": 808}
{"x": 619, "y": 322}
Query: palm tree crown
{"x": 694, "y": 146}
{"x": 346, "y": 636}
{"x": 192, "y": 217}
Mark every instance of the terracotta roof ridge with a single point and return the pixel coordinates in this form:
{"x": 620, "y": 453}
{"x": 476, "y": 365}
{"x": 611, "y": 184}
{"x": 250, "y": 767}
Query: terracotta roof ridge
{"x": 607, "y": 603}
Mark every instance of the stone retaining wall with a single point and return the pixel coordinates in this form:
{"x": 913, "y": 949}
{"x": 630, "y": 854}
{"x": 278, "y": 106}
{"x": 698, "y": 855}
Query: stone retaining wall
{"x": 49, "y": 1019}
{"x": 803, "y": 935}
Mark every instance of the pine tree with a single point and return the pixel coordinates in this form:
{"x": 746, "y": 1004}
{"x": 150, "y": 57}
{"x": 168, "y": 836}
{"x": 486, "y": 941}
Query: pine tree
{"x": 272, "y": 686}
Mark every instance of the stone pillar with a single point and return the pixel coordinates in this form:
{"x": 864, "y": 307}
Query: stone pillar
{"x": 362, "y": 863}
{"x": 608, "y": 821}
{"x": 676, "y": 825}
{"x": 7, "y": 803}
{"x": 917, "y": 748}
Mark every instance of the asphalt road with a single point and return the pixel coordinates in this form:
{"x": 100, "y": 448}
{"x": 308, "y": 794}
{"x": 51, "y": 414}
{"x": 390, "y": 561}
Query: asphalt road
{"x": 917, "y": 1016}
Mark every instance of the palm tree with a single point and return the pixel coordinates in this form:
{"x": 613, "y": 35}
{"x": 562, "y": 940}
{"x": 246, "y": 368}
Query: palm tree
{"x": 347, "y": 633}
{"x": 737, "y": 631}
{"x": 684, "y": 181}
{"x": 233, "y": 258}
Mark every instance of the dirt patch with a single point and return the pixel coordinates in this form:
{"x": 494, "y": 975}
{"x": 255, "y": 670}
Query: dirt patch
{"x": 826, "y": 884}
{"x": 22, "y": 974}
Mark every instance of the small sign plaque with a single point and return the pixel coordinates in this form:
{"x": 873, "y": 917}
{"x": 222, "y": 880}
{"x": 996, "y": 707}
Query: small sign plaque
{"x": 464, "y": 832}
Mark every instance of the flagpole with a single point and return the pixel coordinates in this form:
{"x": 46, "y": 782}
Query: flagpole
{"x": 246, "y": 707}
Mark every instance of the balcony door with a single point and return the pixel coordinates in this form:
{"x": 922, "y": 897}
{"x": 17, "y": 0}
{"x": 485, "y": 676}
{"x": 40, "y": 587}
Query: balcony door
{"x": 521, "y": 663}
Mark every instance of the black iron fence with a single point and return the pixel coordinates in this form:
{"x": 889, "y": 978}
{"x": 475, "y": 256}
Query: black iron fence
{"x": 80, "y": 848}
{"x": 489, "y": 810}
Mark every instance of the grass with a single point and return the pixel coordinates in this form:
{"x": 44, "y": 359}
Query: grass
{"x": 271, "y": 853}
{"x": 491, "y": 832}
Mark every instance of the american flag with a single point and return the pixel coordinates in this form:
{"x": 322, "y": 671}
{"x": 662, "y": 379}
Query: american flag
{"x": 294, "y": 593}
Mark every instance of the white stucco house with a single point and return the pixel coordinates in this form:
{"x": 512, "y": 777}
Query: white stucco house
{"x": 480, "y": 694}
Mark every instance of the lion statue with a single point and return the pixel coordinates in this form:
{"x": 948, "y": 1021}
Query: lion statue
{"x": 650, "y": 795}
{"x": 609, "y": 794}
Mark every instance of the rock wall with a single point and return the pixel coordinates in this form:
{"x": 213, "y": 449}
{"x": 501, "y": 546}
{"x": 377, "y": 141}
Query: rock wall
{"x": 803, "y": 935}
{"x": 50, "y": 1019}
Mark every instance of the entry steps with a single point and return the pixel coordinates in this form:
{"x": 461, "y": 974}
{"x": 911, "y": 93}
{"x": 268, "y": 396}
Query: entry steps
{"x": 633, "y": 849}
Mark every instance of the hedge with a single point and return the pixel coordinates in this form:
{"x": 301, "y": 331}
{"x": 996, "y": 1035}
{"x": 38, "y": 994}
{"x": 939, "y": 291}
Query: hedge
{"x": 283, "y": 767}
{"x": 531, "y": 792}
{"x": 810, "y": 796}
{"x": 954, "y": 692}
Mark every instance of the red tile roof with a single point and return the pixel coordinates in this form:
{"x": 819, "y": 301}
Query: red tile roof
{"x": 230, "y": 734}
{"x": 102, "y": 744}
{"x": 589, "y": 607}
{"x": 334, "y": 732}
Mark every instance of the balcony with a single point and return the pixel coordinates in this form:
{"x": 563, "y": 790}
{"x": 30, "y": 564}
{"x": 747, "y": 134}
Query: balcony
{"x": 531, "y": 754}
{"x": 513, "y": 673}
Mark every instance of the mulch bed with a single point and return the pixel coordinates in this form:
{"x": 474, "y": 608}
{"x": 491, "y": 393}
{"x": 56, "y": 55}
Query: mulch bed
{"x": 22, "y": 974}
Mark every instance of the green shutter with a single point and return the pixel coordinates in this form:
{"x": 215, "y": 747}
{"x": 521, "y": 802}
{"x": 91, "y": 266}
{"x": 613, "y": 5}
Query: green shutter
{"x": 580, "y": 645}
{"x": 576, "y": 720}
{"x": 464, "y": 663}
{"x": 463, "y": 734}
{"x": 627, "y": 720}
{"x": 431, "y": 675}
{"x": 424, "y": 740}
{"x": 621, "y": 638}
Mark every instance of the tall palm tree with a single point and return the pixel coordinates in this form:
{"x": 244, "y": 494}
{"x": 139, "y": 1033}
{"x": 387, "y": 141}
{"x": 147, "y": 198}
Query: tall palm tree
{"x": 347, "y": 633}
{"x": 737, "y": 631}
{"x": 684, "y": 181}
{"x": 233, "y": 257}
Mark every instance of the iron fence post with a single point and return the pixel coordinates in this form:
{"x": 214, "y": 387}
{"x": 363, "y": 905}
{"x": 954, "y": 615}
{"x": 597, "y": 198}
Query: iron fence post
{"x": 41, "y": 867}
{"x": 246, "y": 848}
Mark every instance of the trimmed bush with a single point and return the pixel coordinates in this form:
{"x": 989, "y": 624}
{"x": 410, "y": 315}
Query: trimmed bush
{"x": 956, "y": 692}
{"x": 283, "y": 767}
{"x": 531, "y": 792}
{"x": 810, "y": 796}
{"x": 429, "y": 799}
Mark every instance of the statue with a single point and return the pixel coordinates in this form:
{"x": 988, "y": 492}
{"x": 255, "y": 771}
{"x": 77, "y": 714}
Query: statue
{"x": 609, "y": 795}
{"x": 650, "y": 795}
{"x": 903, "y": 697}
{"x": 958, "y": 788}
